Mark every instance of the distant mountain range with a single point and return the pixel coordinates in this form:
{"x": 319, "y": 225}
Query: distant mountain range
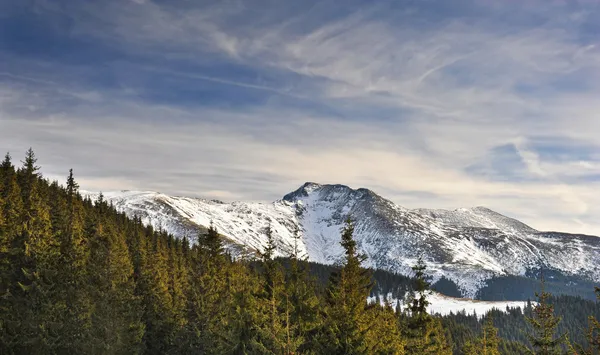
{"x": 468, "y": 246}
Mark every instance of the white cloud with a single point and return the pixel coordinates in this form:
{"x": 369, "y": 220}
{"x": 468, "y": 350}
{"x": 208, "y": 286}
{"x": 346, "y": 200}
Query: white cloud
{"x": 450, "y": 92}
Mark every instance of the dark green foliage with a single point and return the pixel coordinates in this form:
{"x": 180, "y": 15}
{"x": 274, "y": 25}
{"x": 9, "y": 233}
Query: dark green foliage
{"x": 487, "y": 343}
{"x": 446, "y": 287}
{"x": 543, "y": 338}
{"x": 346, "y": 320}
{"x": 592, "y": 334}
{"x": 513, "y": 326}
{"x": 423, "y": 332}
{"x": 521, "y": 288}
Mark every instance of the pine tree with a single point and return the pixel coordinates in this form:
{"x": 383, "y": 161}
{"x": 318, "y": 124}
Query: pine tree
{"x": 384, "y": 336}
{"x": 301, "y": 304}
{"x": 73, "y": 270}
{"x": 178, "y": 283}
{"x": 424, "y": 333}
{"x": 543, "y": 339}
{"x": 35, "y": 259}
{"x": 208, "y": 297}
{"x": 158, "y": 316}
{"x": 592, "y": 335}
{"x": 116, "y": 325}
{"x": 212, "y": 244}
{"x": 487, "y": 344}
{"x": 274, "y": 331}
{"x": 346, "y": 321}
{"x": 11, "y": 209}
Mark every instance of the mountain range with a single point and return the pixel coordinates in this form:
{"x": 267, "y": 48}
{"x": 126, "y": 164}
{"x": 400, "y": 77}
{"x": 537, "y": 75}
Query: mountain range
{"x": 469, "y": 246}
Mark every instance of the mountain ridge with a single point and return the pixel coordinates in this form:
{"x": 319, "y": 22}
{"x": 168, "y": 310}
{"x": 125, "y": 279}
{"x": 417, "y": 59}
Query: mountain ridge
{"x": 466, "y": 245}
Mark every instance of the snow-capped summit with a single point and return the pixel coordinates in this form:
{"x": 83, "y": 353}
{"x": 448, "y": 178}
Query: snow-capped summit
{"x": 468, "y": 245}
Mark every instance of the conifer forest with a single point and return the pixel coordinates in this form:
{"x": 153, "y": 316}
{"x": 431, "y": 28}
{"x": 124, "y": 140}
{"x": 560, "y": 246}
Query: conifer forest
{"x": 78, "y": 277}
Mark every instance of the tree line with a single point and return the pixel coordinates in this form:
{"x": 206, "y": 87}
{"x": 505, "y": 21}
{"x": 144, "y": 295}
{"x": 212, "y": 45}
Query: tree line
{"x": 78, "y": 277}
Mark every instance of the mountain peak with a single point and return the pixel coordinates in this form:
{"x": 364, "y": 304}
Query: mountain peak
{"x": 303, "y": 191}
{"x": 332, "y": 190}
{"x": 467, "y": 245}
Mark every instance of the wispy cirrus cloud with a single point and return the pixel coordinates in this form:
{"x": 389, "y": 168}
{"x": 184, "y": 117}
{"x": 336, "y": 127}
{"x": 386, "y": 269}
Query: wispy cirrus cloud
{"x": 432, "y": 104}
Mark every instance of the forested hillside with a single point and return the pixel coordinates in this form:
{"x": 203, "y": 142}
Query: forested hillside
{"x": 77, "y": 277}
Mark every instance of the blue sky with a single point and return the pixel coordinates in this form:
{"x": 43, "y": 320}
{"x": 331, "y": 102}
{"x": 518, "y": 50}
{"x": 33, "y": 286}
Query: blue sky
{"x": 430, "y": 103}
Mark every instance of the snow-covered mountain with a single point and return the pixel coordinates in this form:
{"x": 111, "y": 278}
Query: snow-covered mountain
{"x": 467, "y": 246}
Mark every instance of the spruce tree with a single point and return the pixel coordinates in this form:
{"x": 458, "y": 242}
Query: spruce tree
{"x": 35, "y": 259}
{"x": 208, "y": 299}
{"x": 301, "y": 304}
{"x": 486, "y": 344}
{"x": 543, "y": 338}
{"x": 346, "y": 320}
{"x": 245, "y": 315}
{"x": 592, "y": 335}
{"x": 11, "y": 209}
{"x": 157, "y": 300}
{"x": 424, "y": 333}
{"x": 384, "y": 336}
{"x": 178, "y": 283}
{"x": 73, "y": 269}
{"x": 274, "y": 332}
{"x": 212, "y": 244}
{"x": 116, "y": 325}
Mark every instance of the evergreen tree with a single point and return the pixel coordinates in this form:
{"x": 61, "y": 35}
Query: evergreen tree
{"x": 35, "y": 259}
{"x": 346, "y": 321}
{"x": 208, "y": 300}
{"x": 384, "y": 336}
{"x": 543, "y": 339}
{"x": 274, "y": 332}
{"x": 11, "y": 210}
{"x": 487, "y": 344}
{"x": 424, "y": 333}
{"x": 245, "y": 316}
{"x": 212, "y": 244}
{"x": 116, "y": 325}
{"x": 592, "y": 335}
{"x": 302, "y": 304}
{"x": 73, "y": 270}
{"x": 157, "y": 300}
{"x": 178, "y": 285}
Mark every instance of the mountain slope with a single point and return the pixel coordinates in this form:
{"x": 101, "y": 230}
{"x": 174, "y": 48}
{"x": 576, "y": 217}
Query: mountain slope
{"x": 468, "y": 246}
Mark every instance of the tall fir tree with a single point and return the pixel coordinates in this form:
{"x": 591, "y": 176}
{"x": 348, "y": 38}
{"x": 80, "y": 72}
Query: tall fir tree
{"x": 384, "y": 335}
{"x": 11, "y": 209}
{"x": 274, "y": 331}
{"x": 157, "y": 300}
{"x": 544, "y": 323}
{"x": 486, "y": 344}
{"x": 73, "y": 269}
{"x": 116, "y": 325}
{"x": 211, "y": 244}
{"x": 208, "y": 297}
{"x": 346, "y": 321}
{"x": 302, "y": 303}
{"x": 245, "y": 314}
{"x": 178, "y": 283}
{"x": 424, "y": 333}
{"x": 592, "y": 335}
{"x": 35, "y": 263}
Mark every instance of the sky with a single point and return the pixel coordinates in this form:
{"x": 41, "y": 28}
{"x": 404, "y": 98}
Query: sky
{"x": 430, "y": 103}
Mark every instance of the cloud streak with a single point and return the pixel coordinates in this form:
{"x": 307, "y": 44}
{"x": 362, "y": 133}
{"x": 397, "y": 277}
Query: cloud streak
{"x": 482, "y": 103}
